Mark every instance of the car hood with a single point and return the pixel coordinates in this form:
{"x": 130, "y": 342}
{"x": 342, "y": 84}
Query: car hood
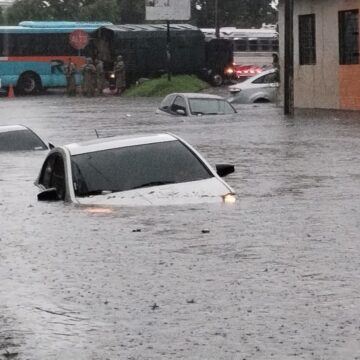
{"x": 202, "y": 191}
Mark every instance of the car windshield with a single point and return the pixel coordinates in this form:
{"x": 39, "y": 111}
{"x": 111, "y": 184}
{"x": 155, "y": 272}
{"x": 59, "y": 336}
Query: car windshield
{"x": 135, "y": 167}
{"x": 210, "y": 107}
{"x": 20, "y": 140}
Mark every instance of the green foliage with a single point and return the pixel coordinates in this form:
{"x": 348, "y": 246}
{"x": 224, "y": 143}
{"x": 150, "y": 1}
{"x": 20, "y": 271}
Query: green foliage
{"x": 239, "y": 13}
{"x": 104, "y": 10}
{"x": 71, "y": 10}
{"x": 131, "y": 12}
{"x": 161, "y": 86}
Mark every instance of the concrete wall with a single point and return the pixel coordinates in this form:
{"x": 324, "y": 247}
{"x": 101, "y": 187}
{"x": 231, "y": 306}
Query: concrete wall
{"x": 326, "y": 84}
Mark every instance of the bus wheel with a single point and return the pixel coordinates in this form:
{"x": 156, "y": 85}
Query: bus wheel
{"x": 217, "y": 80}
{"x": 29, "y": 83}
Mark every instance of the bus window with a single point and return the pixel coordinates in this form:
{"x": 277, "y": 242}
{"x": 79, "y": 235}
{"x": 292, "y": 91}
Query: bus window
{"x": 241, "y": 45}
{"x": 253, "y": 45}
{"x": 265, "y": 45}
{"x": 275, "y": 45}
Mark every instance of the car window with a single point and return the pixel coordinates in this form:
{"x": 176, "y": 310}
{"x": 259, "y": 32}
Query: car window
{"x": 267, "y": 79}
{"x": 20, "y": 140}
{"x": 210, "y": 107}
{"x": 166, "y": 103}
{"x": 53, "y": 174}
{"x": 179, "y": 104}
{"x": 133, "y": 167}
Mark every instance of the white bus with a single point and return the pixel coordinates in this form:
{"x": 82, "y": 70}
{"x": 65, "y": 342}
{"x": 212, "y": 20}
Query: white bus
{"x": 251, "y": 46}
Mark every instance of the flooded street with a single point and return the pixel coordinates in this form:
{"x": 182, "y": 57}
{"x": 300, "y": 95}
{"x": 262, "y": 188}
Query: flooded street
{"x": 274, "y": 276}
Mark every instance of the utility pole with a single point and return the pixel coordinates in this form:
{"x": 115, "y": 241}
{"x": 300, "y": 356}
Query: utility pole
{"x": 217, "y": 27}
{"x": 289, "y": 59}
{"x": 168, "y": 49}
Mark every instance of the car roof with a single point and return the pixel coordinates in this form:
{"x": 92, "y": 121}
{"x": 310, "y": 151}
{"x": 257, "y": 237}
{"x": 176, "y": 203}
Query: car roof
{"x": 116, "y": 142}
{"x": 198, "y": 96}
{"x": 8, "y": 128}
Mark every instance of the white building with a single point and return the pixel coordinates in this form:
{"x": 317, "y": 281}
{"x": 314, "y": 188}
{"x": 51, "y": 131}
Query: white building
{"x": 326, "y": 53}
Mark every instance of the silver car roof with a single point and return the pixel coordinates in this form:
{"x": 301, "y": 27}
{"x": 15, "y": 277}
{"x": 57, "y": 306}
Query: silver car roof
{"x": 116, "y": 142}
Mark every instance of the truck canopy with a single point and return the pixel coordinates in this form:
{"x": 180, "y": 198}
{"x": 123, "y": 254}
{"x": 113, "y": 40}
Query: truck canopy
{"x": 143, "y": 48}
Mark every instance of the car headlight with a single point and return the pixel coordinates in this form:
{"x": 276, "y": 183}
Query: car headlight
{"x": 112, "y": 76}
{"x": 229, "y": 71}
{"x": 229, "y": 198}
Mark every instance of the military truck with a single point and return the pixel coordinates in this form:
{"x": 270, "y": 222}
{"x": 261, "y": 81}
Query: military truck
{"x": 144, "y": 50}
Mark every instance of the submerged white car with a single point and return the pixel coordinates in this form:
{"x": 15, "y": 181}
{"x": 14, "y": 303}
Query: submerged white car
{"x": 261, "y": 88}
{"x": 157, "y": 169}
{"x": 195, "y": 104}
{"x": 20, "y": 138}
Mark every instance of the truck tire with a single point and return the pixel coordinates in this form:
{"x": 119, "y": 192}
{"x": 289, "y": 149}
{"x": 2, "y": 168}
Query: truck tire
{"x": 217, "y": 80}
{"x": 29, "y": 83}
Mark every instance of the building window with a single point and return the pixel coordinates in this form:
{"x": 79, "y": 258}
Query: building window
{"x": 307, "y": 45}
{"x": 349, "y": 37}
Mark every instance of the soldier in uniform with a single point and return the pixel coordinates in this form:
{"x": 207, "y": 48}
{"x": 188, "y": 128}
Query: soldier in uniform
{"x": 70, "y": 71}
{"x": 100, "y": 76}
{"x": 119, "y": 71}
{"x": 89, "y": 78}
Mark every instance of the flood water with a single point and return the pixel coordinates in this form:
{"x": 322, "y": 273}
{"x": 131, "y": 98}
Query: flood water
{"x": 276, "y": 276}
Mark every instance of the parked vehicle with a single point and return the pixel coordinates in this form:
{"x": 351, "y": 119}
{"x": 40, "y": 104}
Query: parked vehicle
{"x": 195, "y": 104}
{"x": 20, "y": 138}
{"x": 145, "y": 51}
{"x": 261, "y": 88}
{"x": 157, "y": 169}
{"x": 243, "y": 72}
{"x": 33, "y": 54}
{"x": 250, "y": 46}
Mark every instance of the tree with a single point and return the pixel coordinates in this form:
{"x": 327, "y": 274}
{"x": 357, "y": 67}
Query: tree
{"x": 131, "y": 11}
{"x": 100, "y": 10}
{"x": 238, "y": 13}
{"x": 71, "y": 10}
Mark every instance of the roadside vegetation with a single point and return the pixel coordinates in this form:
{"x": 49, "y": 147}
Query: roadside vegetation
{"x": 162, "y": 86}
{"x": 238, "y": 13}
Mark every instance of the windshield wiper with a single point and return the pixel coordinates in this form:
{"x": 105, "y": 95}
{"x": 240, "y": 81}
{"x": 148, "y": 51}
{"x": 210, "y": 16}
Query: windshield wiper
{"x": 153, "y": 183}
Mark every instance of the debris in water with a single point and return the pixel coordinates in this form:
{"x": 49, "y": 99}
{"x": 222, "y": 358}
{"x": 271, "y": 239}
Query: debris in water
{"x": 154, "y": 306}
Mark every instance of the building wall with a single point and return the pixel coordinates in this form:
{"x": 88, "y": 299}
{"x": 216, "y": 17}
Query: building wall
{"x": 326, "y": 84}
{"x": 6, "y": 3}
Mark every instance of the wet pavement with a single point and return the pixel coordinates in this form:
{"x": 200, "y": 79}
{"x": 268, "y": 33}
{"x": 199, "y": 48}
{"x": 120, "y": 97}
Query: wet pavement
{"x": 275, "y": 276}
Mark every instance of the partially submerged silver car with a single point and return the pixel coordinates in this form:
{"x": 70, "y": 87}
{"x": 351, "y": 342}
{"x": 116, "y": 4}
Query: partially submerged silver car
{"x": 261, "y": 88}
{"x": 157, "y": 169}
{"x": 195, "y": 104}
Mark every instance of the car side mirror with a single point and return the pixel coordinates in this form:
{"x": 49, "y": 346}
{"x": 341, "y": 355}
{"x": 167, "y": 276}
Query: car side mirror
{"x": 48, "y": 195}
{"x": 181, "y": 112}
{"x": 51, "y": 146}
{"x": 224, "y": 169}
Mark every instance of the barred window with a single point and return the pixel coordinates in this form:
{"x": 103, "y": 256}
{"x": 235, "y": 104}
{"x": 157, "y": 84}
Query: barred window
{"x": 307, "y": 44}
{"x": 349, "y": 37}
